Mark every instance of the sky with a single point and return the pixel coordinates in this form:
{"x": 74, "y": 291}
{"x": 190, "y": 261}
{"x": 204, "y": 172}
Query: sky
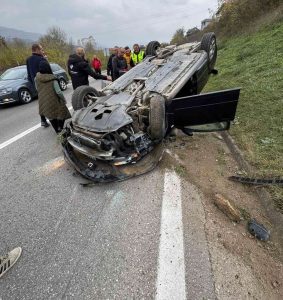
{"x": 116, "y": 22}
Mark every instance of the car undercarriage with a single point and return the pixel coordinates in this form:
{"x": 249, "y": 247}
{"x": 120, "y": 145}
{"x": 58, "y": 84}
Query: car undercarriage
{"x": 117, "y": 133}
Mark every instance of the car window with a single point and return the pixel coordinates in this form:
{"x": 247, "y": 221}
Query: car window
{"x": 55, "y": 67}
{"x": 12, "y": 74}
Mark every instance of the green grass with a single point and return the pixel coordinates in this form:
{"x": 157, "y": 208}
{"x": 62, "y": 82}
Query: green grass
{"x": 255, "y": 63}
{"x": 180, "y": 170}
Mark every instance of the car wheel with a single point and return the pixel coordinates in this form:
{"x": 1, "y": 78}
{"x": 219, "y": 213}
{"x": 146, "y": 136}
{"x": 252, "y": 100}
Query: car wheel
{"x": 63, "y": 84}
{"x": 25, "y": 96}
{"x": 157, "y": 128}
{"x": 151, "y": 48}
{"x": 208, "y": 43}
{"x": 83, "y": 96}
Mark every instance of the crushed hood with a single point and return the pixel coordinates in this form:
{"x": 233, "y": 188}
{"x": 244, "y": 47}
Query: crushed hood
{"x": 101, "y": 118}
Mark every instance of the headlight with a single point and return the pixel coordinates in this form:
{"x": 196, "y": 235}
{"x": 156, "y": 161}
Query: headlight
{"x": 5, "y": 91}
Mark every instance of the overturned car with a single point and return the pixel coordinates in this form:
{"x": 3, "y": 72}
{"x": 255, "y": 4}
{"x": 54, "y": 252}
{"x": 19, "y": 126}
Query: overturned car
{"x": 116, "y": 133}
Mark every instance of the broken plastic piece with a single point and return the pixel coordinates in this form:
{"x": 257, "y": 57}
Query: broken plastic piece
{"x": 258, "y": 230}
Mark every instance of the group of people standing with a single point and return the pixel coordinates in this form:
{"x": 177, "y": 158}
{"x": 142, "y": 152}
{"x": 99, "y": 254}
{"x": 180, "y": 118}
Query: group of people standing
{"x": 51, "y": 100}
{"x": 52, "y": 103}
{"x": 123, "y": 59}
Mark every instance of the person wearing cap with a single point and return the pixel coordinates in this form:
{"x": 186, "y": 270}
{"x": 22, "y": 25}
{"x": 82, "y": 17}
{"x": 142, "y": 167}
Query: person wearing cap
{"x": 79, "y": 69}
{"x": 137, "y": 54}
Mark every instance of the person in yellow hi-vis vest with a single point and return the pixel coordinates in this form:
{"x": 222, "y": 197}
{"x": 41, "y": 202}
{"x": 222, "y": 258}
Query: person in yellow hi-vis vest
{"x": 137, "y": 54}
{"x": 128, "y": 57}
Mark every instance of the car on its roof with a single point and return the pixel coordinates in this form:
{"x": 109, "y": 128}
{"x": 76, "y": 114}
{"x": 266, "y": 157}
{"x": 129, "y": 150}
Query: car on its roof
{"x": 117, "y": 133}
{"x": 15, "y": 87}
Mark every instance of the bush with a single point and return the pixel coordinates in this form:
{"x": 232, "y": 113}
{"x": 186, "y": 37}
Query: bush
{"x": 56, "y": 47}
{"x": 239, "y": 16}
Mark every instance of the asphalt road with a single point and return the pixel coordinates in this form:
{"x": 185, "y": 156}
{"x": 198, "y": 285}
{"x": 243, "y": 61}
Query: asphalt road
{"x": 138, "y": 239}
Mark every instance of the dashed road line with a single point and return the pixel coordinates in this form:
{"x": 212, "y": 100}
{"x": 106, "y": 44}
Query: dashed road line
{"x": 170, "y": 282}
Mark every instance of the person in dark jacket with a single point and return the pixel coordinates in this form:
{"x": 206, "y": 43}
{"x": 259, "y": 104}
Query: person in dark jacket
{"x": 79, "y": 69}
{"x": 51, "y": 100}
{"x": 32, "y": 63}
{"x": 119, "y": 64}
{"x": 109, "y": 64}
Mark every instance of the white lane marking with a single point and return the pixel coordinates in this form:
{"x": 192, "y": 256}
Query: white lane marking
{"x": 22, "y": 134}
{"x": 18, "y": 136}
{"x": 170, "y": 282}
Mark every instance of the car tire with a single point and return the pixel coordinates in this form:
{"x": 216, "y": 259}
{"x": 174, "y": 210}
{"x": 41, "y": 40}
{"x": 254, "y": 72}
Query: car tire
{"x": 208, "y": 44}
{"x": 157, "y": 122}
{"x": 62, "y": 84}
{"x": 151, "y": 48}
{"x": 81, "y": 95}
{"x": 25, "y": 96}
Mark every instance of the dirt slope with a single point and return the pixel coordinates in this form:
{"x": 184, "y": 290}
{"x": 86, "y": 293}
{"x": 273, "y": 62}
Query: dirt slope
{"x": 243, "y": 267}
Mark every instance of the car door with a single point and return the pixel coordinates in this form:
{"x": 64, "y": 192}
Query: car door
{"x": 215, "y": 110}
{"x": 29, "y": 85}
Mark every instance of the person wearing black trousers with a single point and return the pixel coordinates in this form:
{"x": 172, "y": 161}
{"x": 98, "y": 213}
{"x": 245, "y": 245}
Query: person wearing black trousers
{"x": 32, "y": 63}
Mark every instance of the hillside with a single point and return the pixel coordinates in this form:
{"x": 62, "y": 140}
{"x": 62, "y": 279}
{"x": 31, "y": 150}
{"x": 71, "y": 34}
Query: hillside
{"x": 254, "y": 62}
{"x": 10, "y": 33}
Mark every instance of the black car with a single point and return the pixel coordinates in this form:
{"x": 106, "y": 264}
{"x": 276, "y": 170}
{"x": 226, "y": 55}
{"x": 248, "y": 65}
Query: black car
{"x": 116, "y": 133}
{"x": 15, "y": 87}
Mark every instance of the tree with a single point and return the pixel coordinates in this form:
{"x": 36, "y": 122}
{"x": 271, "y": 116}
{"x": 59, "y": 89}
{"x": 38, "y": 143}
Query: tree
{"x": 89, "y": 47}
{"x": 70, "y": 46}
{"x": 54, "y": 38}
{"x": 3, "y": 42}
{"x": 193, "y": 34}
{"x": 179, "y": 37}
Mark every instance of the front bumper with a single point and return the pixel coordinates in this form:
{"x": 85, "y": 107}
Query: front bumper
{"x": 9, "y": 98}
{"x": 106, "y": 171}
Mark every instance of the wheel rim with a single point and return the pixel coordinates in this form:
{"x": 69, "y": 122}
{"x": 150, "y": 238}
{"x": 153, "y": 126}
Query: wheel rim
{"x": 63, "y": 84}
{"x": 88, "y": 99}
{"x": 212, "y": 49}
{"x": 25, "y": 96}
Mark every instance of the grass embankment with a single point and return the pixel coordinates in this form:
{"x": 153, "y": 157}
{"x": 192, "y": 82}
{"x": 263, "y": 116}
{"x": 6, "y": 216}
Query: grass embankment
{"x": 255, "y": 63}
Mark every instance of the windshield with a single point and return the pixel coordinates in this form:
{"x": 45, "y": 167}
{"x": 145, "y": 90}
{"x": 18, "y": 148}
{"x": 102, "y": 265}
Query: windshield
{"x": 12, "y": 74}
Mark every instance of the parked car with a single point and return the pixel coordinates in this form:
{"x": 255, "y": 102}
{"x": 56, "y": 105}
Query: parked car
{"x": 116, "y": 133}
{"x": 15, "y": 87}
{"x": 61, "y": 74}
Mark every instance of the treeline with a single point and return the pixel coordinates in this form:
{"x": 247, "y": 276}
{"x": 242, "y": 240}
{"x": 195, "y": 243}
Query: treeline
{"x": 234, "y": 17}
{"x": 238, "y": 16}
{"x": 56, "y": 46}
